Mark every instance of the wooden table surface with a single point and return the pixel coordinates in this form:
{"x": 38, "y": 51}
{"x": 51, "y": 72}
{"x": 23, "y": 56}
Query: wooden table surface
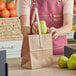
{"x": 16, "y": 70}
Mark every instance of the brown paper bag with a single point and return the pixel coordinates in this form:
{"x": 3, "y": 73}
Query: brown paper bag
{"x": 37, "y": 51}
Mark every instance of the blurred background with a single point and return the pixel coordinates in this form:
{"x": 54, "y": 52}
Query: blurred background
{"x": 11, "y": 37}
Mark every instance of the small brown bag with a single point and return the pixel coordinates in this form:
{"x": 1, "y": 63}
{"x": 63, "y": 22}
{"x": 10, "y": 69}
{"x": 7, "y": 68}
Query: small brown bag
{"x": 37, "y": 50}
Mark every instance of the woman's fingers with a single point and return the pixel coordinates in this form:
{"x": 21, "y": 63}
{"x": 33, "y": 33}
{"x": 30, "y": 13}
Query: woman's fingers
{"x": 35, "y": 28}
{"x": 54, "y": 33}
{"x": 52, "y": 30}
{"x": 55, "y": 36}
{"x": 25, "y": 30}
{"x": 48, "y": 30}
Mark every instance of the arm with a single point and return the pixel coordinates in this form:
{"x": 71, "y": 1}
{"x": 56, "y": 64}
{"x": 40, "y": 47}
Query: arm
{"x": 25, "y": 17}
{"x": 67, "y": 19}
{"x": 67, "y": 25}
{"x": 25, "y": 24}
{"x": 65, "y": 29}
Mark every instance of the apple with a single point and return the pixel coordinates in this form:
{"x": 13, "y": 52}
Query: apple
{"x": 43, "y": 27}
{"x": 62, "y": 61}
{"x": 72, "y": 62}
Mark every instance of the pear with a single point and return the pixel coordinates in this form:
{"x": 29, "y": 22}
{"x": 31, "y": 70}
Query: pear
{"x": 43, "y": 27}
{"x": 72, "y": 62}
{"x": 62, "y": 61}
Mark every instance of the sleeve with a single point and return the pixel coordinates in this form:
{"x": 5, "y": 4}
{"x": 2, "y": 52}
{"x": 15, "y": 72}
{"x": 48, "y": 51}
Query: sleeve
{"x": 68, "y": 6}
{"x": 24, "y": 7}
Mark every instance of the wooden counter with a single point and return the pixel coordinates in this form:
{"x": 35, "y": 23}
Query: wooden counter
{"x": 54, "y": 70}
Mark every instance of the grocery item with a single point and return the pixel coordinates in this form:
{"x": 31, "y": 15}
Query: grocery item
{"x": 5, "y": 13}
{"x": 72, "y": 62}
{"x": 11, "y": 5}
{"x": 2, "y": 5}
{"x": 8, "y": 9}
{"x": 13, "y": 13}
{"x": 43, "y": 27}
{"x": 62, "y": 61}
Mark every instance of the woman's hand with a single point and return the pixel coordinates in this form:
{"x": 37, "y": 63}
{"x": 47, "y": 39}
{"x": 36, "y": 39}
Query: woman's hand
{"x": 25, "y": 30}
{"x": 25, "y": 24}
{"x": 35, "y": 28}
{"x": 55, "y": 32}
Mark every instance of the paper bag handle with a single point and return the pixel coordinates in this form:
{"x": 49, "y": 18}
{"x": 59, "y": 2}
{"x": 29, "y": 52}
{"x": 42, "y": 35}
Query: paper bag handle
{"x": 35, "y": 13}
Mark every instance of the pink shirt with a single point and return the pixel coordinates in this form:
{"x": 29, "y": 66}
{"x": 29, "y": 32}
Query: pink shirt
{"x": 25, "y": 7}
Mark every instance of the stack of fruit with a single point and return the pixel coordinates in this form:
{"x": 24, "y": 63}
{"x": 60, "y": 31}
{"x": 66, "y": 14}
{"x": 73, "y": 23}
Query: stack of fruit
{"x": 65, "y": 62}
{"x": 7, "y": 10}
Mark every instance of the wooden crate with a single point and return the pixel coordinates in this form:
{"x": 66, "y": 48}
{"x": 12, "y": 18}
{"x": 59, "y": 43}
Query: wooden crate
{"x": 10, "y": 29}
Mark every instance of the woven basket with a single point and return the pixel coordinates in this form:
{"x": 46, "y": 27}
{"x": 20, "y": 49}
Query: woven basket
{"x": 10, "y": 29}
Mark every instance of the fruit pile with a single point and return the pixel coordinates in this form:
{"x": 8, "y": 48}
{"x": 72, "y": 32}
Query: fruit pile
{"x": 69, "y": 63}
{"x": 7, "y": 10}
